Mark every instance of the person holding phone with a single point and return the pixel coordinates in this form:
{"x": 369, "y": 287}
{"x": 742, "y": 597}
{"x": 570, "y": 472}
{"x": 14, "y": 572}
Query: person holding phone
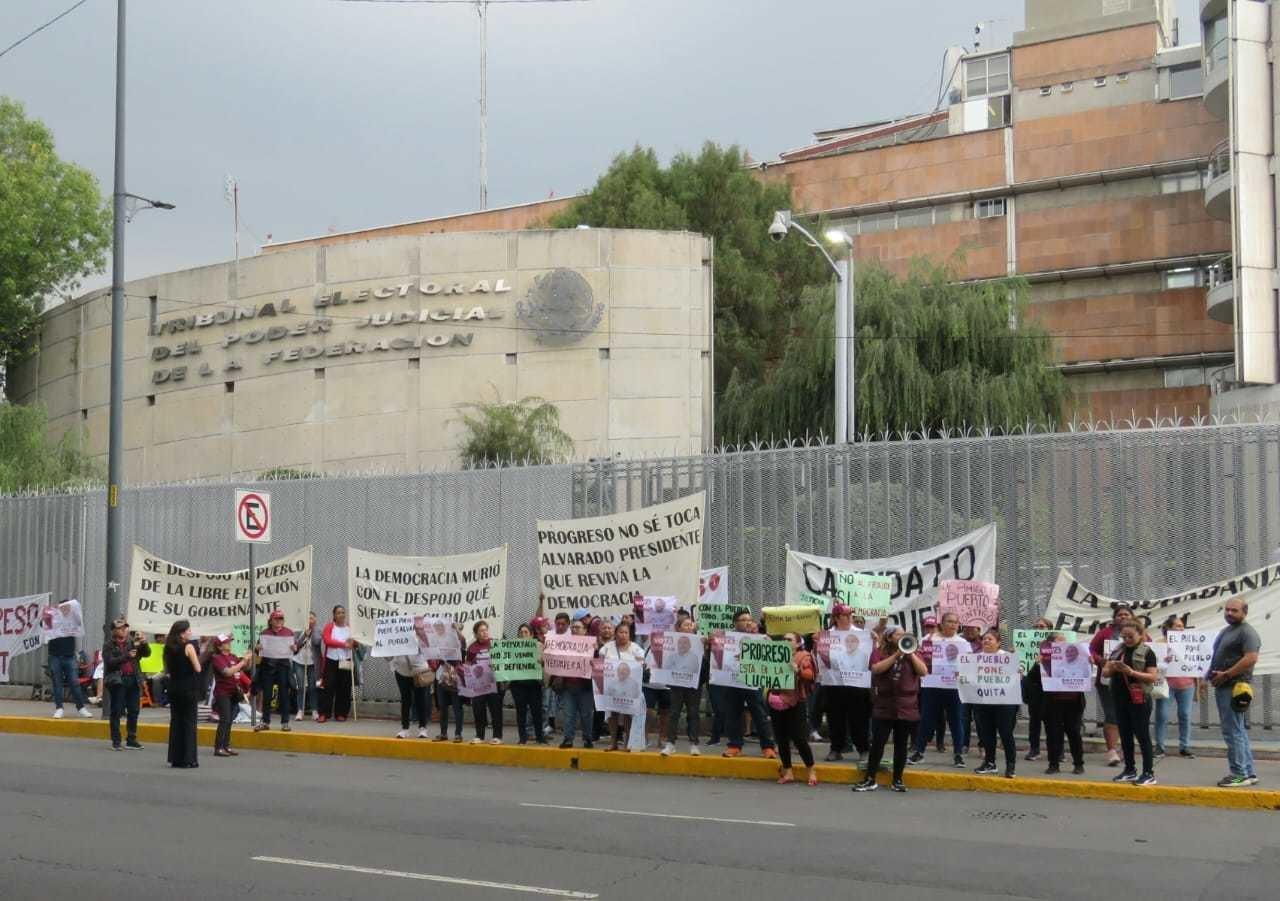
{"x": 1132, "y": 670}
{"x": 122, "y": 678}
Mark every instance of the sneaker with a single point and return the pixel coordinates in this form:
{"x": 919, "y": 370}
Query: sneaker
{"x": 316, "y": 717}
{"x": 898, "y": 787}
{"x": 833, "y": 755}
{"x": 959, "y": 762}
{"x": 1126, "y": 776}
{"x": 57, "y": 714}
{"x": 942, "y": 747}
{"x": 1251, "y": 780}
{"x": 1146, "y": 779}
{"x": 1186, "y": 754}
{"x": 866, "y": 785}
{"x": 587, "y": 745}
{"x": 423, "y": 733}
{"x": 769, "y": 754}
{"x": 116, "y": 747}
{"x": 495, "y": 741}
{"x": 732, "y": 752}
{"x": 1053, "y": 770}
{"x": 693, "y": 750}
{"x": 441, "y": 738}
{"x": 668, "y": 749}
{"x": 1230, "y": 781}
{"x": 815, "y": 735}
{"x": 84, "y": 713}
{"x": 1113, "y": 758}
{"x": 1008, "y": 774}
{"x": 286, "y": 728}
{"x": 457, "y": 739}
{"x": 475, "y": 741}
{"x": 321, "y": 718}
{"x": 1032, "y": 755}
{"x": 915, "y": 758}
{"x": 986, "y": 769}
{"x": 1160, "y": 754}
{"x": 133, "y": 745}
{"x": 403, "y": 733}
{"x": 263, "y": 727}
{"x": 566, "y": 744}
{"x": 1078, "y": 769}
{"x": 713, "y": 743}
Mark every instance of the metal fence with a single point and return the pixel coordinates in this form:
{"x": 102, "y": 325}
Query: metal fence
{"x": 1133, "y": 512}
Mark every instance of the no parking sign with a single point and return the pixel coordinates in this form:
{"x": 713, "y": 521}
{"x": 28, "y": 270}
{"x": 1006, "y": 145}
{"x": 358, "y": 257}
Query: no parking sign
{"x": 253, "y": 516}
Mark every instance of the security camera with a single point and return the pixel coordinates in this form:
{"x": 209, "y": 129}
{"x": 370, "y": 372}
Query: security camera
{"x": 780, "y": 226}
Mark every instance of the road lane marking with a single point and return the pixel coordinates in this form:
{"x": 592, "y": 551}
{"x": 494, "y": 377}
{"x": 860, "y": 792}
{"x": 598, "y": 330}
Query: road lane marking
{"x": 665, "y": 816}
{"x": 427, "y": 877}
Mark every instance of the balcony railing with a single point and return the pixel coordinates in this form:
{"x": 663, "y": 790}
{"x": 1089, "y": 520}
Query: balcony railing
{"x": 1221, "y": 272}
{"x": 1220, "y": 160}
{"x": 1217, "y": 54}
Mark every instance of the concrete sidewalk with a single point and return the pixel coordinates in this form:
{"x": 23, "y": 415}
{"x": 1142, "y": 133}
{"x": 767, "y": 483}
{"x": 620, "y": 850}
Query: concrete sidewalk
{"x": 1181, "y": 781}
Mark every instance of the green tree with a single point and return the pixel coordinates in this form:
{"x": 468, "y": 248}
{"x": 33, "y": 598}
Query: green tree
{"x": 758, "y": 282}
{"x": 28, "y": 459}
{"x": 527, "y": 430}
{"x": 55, "y": 229}
{"x": 932, "y": 353}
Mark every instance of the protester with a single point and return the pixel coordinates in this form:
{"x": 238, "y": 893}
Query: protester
{"x": 122, "y": 677}
{"x": 304, "y": 662}
{"x": 688, "y": 700}
{"x": 848, "y": 707}
{"x": 64, "y": 670}
{"x": 414, "y": 679}
{"x": 622, "y": 650}
{"x": 274, "y": 674}
{"x": 1033, "y": 697}
{"x": 1235, "y": 652}
{"x": 895, "y": 706}
{"x": 447, "y": 697}
{"x": 339, "y": 668}
{"x": 738, "y": 699}
{"x": 936, "y": 701}
{"x": 996, "y": 719}
{"x": 1109, "y": 632}
{"x": 182, "y": 663}
{"x": 973, "y": 634}
{"x": 540, "y": 626}
{"x": 226, "y": 692}
{"x": 1063, "y": 716}
{"x": 787, "y": 713}
{"x": 937, "y": 729}
{"x": 578, "y": 703}
{"x": 1131, "y": 668}
{"x": 485, "y": 708}
{"x": 604, "y": 635}
{"x": 1181, "y": 691}
{"x": 527, "y": 696}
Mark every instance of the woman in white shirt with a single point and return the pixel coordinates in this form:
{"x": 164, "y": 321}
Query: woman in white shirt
{"x": 625, "y": 651}
{"x": 414, "y": 678}
{"x": 335, "y": 692}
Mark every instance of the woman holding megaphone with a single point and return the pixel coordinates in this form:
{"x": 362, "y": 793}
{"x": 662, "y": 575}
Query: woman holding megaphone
{"x": 895, "y": 704}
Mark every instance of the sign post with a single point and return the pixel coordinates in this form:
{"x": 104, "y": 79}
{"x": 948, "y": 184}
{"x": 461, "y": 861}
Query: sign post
{"x": 253, "y": 526}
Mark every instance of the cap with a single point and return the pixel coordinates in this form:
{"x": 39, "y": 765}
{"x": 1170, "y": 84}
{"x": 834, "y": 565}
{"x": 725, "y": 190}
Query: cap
{"x": 841, "y": 610}
{"x": 276, "y": 614}
{"x": 119, "y": 623}
{"x": 223, "y": 639}
{"x": 930, "y": 620}
{"x": 580, "y": 615}
{"x": 538, "y": 622}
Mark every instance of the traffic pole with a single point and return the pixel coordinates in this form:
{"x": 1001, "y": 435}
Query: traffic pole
{"x": 253, "y": 637}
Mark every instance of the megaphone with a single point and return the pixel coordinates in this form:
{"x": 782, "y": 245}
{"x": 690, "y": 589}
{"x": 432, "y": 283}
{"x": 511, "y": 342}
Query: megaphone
{"x": 908, "y": 643}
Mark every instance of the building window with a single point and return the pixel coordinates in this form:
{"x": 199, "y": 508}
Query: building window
{"x": 1183, "y": 181}
{"x": 915, "y": 218}
{"x": 1186, "y": 81}
{"x": 1186, "y": 277}
{"x": 989, "y": 209}
{"x": 988, "y": 75}
{"x": 1046, "y": 90}
{"x": 1184, "y": 377}
{"x": 869, "y": 225}
{"x": 1100, "y": 81}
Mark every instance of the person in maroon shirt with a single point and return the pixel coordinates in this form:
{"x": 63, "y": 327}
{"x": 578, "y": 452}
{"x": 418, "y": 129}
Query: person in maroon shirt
{"x": 1109, "y": 632}
{"x": 226, "y": 692}
{"x": 895, "y": 706}
{"x": 122, "y": 678}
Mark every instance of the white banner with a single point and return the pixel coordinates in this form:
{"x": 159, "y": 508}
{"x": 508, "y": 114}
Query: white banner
{"x": 1072, "y": 606}
{"x": 713, "y": 586}
{"x": 1070, "y": 668}
{"x": 463, "y": 587}
{"x": 675, "y": 659}
{"x": 161, "y": 592}
{"x": 916, "y": 576}
{"x": 990, "y": 679}
{"x": 844, "y": 657}
{"x": 601, "y": 563}
{"x": 394, "y": 636}
{"x": 65, "y": 620}
{"x": 20, "y": 622}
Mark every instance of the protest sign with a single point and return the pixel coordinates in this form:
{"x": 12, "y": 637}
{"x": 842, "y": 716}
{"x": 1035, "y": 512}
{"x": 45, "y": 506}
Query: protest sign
{"x": 1028, "y": 642}
{"x": 393, "y": 636}
{"x": 712, "y": 617}
{"x": 866, "y": 593}
{"x": 1070, "y": 668}
{"x": 600, "y": 563}
{"x": 713, "y": 586}
{"x": 976, "y": 603}
{"x": 597, "y": 682}
{"x": 945, "y": 660}
{"x": 844, "y": 657}
{"x": 20, "y": 628}
{"x": 675, "y": 659}
{"x": 915, "y": 576}
{"x": 475, "y": 680}
{"x": 216, "y": 602}
{"x": 764, "y": 663}
{"x": 1073, "y": 606}
{"x": 438, "y": 637}
{"x": 801, "y": 620}
{"x": 1189, "y": 652}
{"x": 241, "y": 639}
{"x": 724, "y": 659}
{"x": 621, "y": 692}
{"x": 154, "y": 663}
{"x": 656, "y": 614}
{"x": 276, "y": 647}
{"x": 462, "y": 588}
{"x": 65, "y": 620}
{"x": 516, "y": 659}
{"x": 568, "y": 656}
{"x": 990, "y": 678}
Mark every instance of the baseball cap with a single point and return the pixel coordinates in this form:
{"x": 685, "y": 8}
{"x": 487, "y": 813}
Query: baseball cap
{"x": 538, "y": 622}
{"x": 223, "y": 639}
{"x": 276, "y": 614}
{"x": 930, "y": 620}
{"x": 841, "y": 610}
{"x": 580, "y": 615}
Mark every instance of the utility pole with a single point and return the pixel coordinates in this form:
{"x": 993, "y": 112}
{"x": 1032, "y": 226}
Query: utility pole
{"x": 482, "y": 7}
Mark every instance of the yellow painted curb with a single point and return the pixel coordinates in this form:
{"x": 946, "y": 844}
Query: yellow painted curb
{"x": 650, "y": 763}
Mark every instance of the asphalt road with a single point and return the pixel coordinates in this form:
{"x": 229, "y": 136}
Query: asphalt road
{"x": 80, "y": 822}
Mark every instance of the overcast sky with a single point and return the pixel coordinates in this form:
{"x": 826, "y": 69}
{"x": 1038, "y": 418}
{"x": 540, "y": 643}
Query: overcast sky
{"x": 342, "y": 115}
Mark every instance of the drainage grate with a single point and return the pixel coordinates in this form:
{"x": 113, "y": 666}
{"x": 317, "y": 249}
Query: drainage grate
{"x": 1009, "y": 815}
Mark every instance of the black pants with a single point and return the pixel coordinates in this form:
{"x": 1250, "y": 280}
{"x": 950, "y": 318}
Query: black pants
{"x": 1063, "y": 717}
{"x": 275, "y": 675}
{"x": 848, "y": 717}
{"x": 413, "y": 698}
{"x": 902, "y": 731}
{"x": 1035, "y": 720}
{"x": 335, "y": 697}
{"x": 484, "y": 709}
{"x": 792, "y": 726}
{"x": 227, "y": 708}
{"x": 993, "y": 720}
{"x": 690, "y": 701}
{"x": 125, "y": 697}
{"x": 1134, "y": 721}
{"x": 527, "y": 695}
{"x": 182, "y": 728}
{"x": 448, "y": 700}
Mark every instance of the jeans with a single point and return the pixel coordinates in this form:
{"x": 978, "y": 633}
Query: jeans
{"x": 791, "y": 726}
{"x": 750, "y": 698}
{"x": 125, "y": 697}
{"x": 226, "y": 707}
{"x": 447, "y": 700}
{"x": 64, "y": 669}
{"x": 275, "y": 675}
{"x": 945, "y": 701}
{"x": 1134, "y": 721}
{"x": 880, "y": 732}
{"x": 993, "y": 720}
{"x": 413, "y": 699}
{"x": 527, "y": 695}
{"x": 1181, "y": 697}
{"x": 1239, "y": 752}
{"x": 304, "y": 677}
{"x": 688, "y": 700}
{"x": 579, "y": 707}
